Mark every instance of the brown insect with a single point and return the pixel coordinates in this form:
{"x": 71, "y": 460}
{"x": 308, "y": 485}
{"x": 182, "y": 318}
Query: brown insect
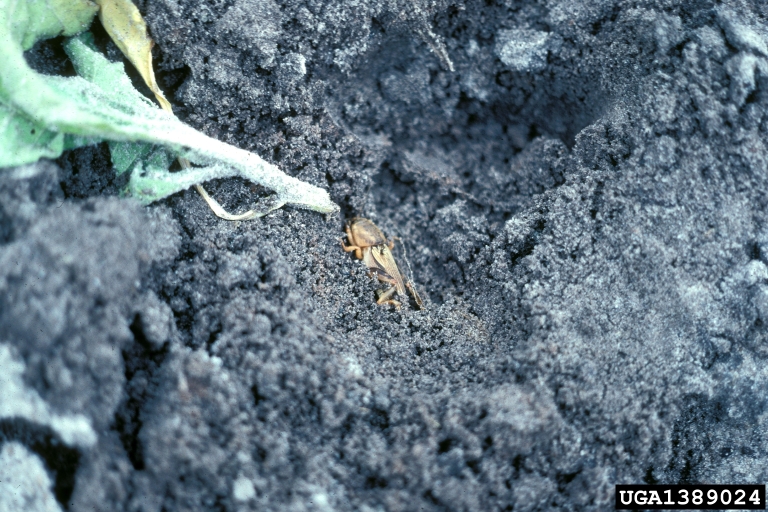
{"x": 370, "y": 245}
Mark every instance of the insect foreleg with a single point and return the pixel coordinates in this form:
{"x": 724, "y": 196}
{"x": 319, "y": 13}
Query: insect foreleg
{"x": 349, "y": 248}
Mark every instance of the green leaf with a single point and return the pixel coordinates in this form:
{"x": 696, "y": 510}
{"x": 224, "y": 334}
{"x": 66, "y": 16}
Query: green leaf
{"x": 23, "y": 141}
{"x": 42, "y": 115}
{"x": 34, "y": 20}
{"x": 129, "y": 116}
{"x": 126, "y": 154}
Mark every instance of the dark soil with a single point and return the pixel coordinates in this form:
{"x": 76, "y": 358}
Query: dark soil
{"x": 582, "y": 203}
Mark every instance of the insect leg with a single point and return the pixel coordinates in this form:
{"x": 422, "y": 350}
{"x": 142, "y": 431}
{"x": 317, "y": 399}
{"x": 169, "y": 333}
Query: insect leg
{"x": 386, "y": 297}
{"x": 350, "y": 248}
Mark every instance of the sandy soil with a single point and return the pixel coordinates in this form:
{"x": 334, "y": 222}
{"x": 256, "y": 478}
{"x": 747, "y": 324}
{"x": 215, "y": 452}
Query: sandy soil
{"x": 581, "y": 202}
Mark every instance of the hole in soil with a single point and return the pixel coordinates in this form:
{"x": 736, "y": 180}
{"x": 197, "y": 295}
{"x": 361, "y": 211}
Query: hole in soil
{"x": 484, "y": 135}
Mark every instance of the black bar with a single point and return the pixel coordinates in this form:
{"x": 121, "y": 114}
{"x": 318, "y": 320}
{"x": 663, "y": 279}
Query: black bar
{"x": 690, "y": 497}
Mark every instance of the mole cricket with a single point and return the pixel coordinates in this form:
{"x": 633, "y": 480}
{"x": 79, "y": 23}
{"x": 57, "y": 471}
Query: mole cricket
{"x": 370, "y": 245}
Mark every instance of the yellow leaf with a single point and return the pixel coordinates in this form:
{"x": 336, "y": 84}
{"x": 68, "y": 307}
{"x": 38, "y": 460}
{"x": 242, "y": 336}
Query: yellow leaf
{"x": 124, "y": 24}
